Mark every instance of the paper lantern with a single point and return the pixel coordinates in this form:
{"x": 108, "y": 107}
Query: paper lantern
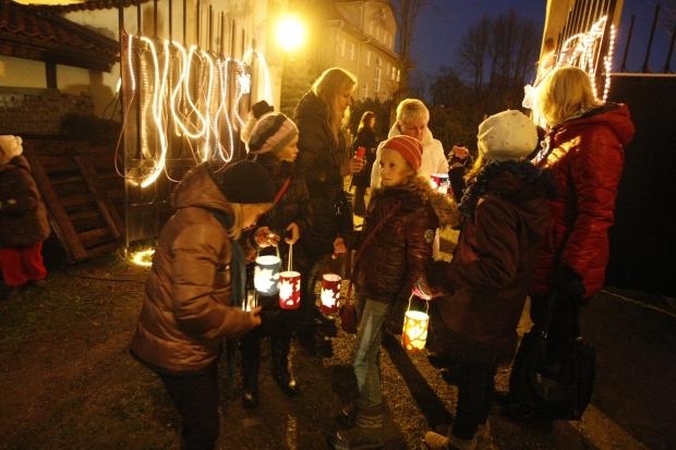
{"x": 289, "y": 289}
{"x": 440, "y": 182}
{"x": 266, "y": 274}
{"x": 416, "y": 323}
{"x": 330, "y": 293}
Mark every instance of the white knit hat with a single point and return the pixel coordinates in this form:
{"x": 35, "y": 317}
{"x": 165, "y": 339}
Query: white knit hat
{"x": 10, "y": 146}
{"x": 507, "y": 135}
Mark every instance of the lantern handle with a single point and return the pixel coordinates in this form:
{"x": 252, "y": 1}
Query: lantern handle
{"x": 427, "y": 304}
{"x": 290, "y": 265}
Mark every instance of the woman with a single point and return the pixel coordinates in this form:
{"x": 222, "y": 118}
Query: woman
{"x": 584, "y": 149}
{"x": 366, "y": 138}
{"x": 324, "y": 162}
{"x": 197, "y": 270}
{"x": 273, "y": 140}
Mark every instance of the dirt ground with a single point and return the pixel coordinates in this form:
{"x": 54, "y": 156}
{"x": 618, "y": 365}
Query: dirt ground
{"x": 67, "y": 382}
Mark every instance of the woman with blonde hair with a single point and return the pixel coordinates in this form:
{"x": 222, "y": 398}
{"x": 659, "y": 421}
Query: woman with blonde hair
{"x": 584, "y": 150}
{"x": 323, "y": 161}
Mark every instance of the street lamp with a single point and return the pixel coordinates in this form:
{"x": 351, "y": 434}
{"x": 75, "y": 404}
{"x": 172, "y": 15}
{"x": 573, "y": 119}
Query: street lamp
{"x": 290, "y": 33}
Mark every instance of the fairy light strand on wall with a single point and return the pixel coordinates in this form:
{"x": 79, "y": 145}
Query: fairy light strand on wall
{"x": 192, "y": 91}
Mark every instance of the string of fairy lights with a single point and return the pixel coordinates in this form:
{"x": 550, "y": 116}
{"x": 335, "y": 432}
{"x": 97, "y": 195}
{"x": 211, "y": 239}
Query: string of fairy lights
{"x": 582, "y": 50}
{"x": 187, "y": 94}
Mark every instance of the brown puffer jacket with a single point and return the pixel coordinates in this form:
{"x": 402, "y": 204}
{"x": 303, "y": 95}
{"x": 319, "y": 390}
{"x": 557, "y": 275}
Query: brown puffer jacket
{"x": 23, "y": 216}
{"x": 393, "y": 259}
{"x": 186, "y": 311}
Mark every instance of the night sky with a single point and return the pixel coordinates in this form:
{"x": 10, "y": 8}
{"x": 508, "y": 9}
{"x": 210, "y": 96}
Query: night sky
{"x": 442, "y": 23}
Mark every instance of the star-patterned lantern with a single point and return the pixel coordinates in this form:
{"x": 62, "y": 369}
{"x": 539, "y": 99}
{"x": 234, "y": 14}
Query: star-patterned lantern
{"x": 266, "y": 274}
{"x": 440, "y": 182}
{"x": 414, "y": 333}
{"x": 330, "y": 293}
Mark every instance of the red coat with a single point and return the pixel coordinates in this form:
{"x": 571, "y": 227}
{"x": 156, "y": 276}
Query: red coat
{"x": 586, "y": 156}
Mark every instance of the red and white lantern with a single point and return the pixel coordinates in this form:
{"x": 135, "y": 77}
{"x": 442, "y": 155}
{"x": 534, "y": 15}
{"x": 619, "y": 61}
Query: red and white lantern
{"x": 289, "y": 289}
{"x": 330, "y": 293}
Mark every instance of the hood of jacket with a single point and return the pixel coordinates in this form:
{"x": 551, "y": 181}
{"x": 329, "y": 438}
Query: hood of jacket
{"x": 443, "y": 206}
{"x": 198, "y": 189}
{"x": 615, "y": 116}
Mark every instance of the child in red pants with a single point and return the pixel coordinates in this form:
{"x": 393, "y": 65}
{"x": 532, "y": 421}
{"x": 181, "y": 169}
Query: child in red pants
{"x": 23, "y": 220}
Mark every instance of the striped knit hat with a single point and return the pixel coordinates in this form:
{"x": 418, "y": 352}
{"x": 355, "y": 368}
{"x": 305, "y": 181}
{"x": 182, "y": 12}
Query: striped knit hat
{"x": 271, "y": 133}
{"x": 408, "y": 147}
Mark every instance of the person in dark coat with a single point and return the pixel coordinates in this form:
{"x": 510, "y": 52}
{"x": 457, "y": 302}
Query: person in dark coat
{"x": 401, "y": 220}
{"x": 23, "y": 220}
{"x": 324, "y": 162}
{"x": 483, "y": 289}
{"x": 366, "y": 138}
{"x": 584, "y": 149}
{"x": 197, "y": 273}
{"x": 272, "y": 139}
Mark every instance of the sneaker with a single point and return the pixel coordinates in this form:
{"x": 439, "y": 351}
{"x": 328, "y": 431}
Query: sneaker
{"x": 358, "y": 438}
{"x": 436, "y": 441}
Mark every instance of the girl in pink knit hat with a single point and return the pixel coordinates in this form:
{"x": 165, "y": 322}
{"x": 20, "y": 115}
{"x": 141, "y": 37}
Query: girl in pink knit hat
{"x": 399, "y": 228}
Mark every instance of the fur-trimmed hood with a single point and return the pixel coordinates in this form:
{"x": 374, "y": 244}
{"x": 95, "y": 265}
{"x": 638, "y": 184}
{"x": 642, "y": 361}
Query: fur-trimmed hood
{"x": 443, "y": 205}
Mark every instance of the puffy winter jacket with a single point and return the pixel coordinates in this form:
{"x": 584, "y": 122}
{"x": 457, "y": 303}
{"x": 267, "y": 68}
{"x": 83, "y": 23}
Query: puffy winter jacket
{"x": 187, "y": 307}
{"x": 586, "y": 156}
{"x": 394, "y": 257}
{"x": 23, "y": 217}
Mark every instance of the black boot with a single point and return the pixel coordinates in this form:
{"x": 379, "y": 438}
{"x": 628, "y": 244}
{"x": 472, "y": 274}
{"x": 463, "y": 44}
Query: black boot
{"x": 280, "y": 365}
{"x": 251, "y": 361}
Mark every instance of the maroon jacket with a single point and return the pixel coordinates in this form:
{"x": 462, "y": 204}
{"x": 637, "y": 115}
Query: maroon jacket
{"x": 487, "y": 280}
{"x": 586, "y": 156}
{"x": 23, "y": 216}
{"x": 394, "y": 257}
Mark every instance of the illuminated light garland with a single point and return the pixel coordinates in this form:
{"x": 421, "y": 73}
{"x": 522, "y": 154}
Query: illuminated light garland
{"x": 143, "y": 258}
{"x": 183, "y": 88}
{"x": 219, "y": 84}
{"x": 581, "y": 50}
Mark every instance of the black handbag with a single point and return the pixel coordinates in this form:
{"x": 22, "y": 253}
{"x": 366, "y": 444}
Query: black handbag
{"x": 554, "y": 385}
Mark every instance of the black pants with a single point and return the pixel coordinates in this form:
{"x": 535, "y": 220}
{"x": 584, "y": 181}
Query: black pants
{"x": 475, "y": 395}
{"x": 196, "y": 398}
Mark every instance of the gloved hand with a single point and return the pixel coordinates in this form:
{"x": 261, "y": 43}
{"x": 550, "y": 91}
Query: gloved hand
{"x": 568, "y": 282}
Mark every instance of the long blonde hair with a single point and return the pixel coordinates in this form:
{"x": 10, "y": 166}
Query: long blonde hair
{"x": 564, "y": 94}
{"x": 329, "y": 86}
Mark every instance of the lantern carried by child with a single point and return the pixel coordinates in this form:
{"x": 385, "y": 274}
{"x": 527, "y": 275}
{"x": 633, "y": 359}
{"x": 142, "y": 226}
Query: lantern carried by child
{"x": 266, "y": 274}
{"x": 330, "y": 293}
{"x": 416, "y": 323}
{"x": 289, "y": 285}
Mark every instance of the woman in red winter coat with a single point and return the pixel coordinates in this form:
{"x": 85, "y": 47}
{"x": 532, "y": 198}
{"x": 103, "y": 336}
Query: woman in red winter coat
{"x": 584, "y": 149}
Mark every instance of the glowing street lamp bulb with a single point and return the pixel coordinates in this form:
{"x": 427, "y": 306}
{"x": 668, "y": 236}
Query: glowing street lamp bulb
{"x": 290, "y": 33}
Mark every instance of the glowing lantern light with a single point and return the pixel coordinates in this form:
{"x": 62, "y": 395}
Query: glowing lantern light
{"x": 416, "y": 323}
{"x": 143, "y": 258}
{"x": 330, "y": 294}
{"x": 266, "y": 274}
{"x": 291, "y": 34}
{"x": 440, "y": 182}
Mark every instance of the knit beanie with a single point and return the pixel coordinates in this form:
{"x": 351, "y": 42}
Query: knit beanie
{"x": 507, "y": 135}
{"x": 10, "y": 146}
{"x": 408, "y": 147}
{"x": 246, "y": 182}
{"x": 271, "y": 133}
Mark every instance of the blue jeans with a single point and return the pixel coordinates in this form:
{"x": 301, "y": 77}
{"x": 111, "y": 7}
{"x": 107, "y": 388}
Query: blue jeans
{"x": 366, "y": 364}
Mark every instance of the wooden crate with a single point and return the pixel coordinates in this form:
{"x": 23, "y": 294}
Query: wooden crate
{"x": 79, "y": 185}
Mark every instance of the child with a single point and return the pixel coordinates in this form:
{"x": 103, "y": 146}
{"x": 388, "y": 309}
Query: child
{"x": 197, "y": 273}
{"x": 505, "y": 216}
{"x": 23, "y": 221}
{"x": 401, "y": 220}
{"x": 273, "y": 138}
